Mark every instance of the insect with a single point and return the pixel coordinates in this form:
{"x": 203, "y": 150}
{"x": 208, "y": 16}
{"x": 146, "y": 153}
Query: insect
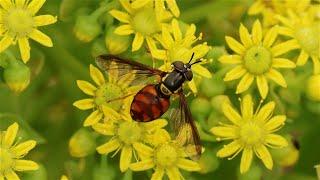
{"x": 153, "y": 100}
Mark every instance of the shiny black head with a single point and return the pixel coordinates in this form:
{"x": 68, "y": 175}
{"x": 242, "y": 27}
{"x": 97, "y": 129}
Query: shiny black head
{"x": 185, "y": 68}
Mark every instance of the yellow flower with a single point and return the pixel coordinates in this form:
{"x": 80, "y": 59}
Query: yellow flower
{"x": 166, "y": 158}
{"x": 11, "y": 154}
{"x": 126, "y": 135}
{"x": 159, "y": 4}
{"x": 179, "y": 46}
{"x": 19, "y": 23}
{"x": 251, "y": 133}
{"x": 304, "y": 31}
{"x": 257, "y": 58}
{"x": 144, "y": 22}
{"x": 312, "y": 88}
{"x": 105, "y": 91}
{"x": 269, "y": 9}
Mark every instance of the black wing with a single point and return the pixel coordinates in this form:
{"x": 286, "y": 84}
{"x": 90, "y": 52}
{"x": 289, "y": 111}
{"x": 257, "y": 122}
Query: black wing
{"x": 140, "y": 73}
{"x": 185, "y": 128}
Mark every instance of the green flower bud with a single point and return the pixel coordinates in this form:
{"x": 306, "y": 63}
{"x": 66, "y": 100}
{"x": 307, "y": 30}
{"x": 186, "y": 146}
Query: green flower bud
{"x": 212, "y": 87}
{"x": 287, "y": 156}
{"x": 87, "y": 28}
{"x": 17, "y": 76}
{"x": 217, "y": 102}
{"x": 82, "y": 143}
{"x": 208, "y": 163}
{"x": 116, "y": 44}
{"x": 313, "y": 88}
{"x": 98, "y": 48}
{"x": 200, "y": 108}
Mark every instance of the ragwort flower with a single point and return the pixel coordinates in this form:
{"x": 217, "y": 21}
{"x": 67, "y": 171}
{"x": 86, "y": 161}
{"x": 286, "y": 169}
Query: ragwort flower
{"x": 179, "y": 46}
{"x": 304, "y": 31}
{"x": 19, "y": 23}
{"x": 104, "y": 93}
{"x": 11, "y": 154}
{"x": 144, "y": 22}
{"x": 167, "y": 157}
{"x": 126, "y": 134}
{"x": 257, "y": 58}
{"x": 250, "y": 133}
{"x": 159, "y": 4}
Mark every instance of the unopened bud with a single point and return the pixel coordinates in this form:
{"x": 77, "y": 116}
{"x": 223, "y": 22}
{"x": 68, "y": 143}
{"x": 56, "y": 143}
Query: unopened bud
{"x": 17, "y": 76}
{"x": 116, "y": 44}
{"x": 87, "y": 28}
{"x": 82, "y": 143}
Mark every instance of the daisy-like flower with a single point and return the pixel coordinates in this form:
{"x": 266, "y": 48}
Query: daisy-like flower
{"x": 250, "y": 133}
{"x": 105, "y": 91}
{"x": 304, "y": 31}
{"x": 18, "y": 22}
{"x": 144, "y": 22}
{"x": 167, "y": 157}
{"x": 257, "y": 58}
{"x": 11, "y": 154}
{"x": 126, "y": 135}
{"x": 159, "y": 4}
{"x": 269, "y": 9}
{"x": 180, "y": 46}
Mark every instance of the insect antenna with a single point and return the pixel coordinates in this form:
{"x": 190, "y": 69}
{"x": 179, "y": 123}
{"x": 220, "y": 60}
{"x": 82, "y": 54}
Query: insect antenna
{"x": 199, "y": 61}
{"x": 191, "y": 58}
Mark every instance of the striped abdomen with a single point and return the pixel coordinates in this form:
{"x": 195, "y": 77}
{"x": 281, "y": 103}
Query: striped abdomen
{"x": 147, "y": 104}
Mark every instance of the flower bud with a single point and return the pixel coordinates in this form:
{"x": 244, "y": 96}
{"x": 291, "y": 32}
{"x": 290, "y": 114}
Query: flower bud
{"x": 200, "y": 107}
{"x": 287, "y": 156}
{"x": 17, "y": 76}
{"x": 313, "y": 86}
{"x": 212, "y": 87}
{"x": 218, "y": 101}
{"x": 208, "y": 163}
{"x": 116, "y": 44}
{"x": 98, "y": 48}
{"x": 87, "y": 28}
{"x": 82, "y": 143}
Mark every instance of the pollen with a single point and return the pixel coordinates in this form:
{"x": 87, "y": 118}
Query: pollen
{"x": 19, "y": 22}
{"x": 166, "y": 155}
{"x": 129, "y": 132}
{"x": 251, "y": 133}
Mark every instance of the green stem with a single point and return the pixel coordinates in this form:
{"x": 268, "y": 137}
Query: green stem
{"x": 104, "y": 8}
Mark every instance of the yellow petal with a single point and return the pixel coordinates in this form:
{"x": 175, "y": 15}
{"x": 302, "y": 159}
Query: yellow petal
{"x": 275, "y": 123}
{"x": 256, "y": 32}
{"x": 35, "y": 5}
{"x": 235, "y": 45}
{"x": 229, "y": 149}
{"x": 230, "y": 59}
{"x": 155, "y": 125}
{"x": 231, "y": 113}
{"x": 124, "y": 30}
{"x": 158, "y": 174}
{"x": 284, "y": 47}
{"x": 316, "y": 64}
{"x": 10, "y": 135}
{"x": 256, "y": 8}
{"x": 270, "y": 37}
{"x": 247, "y": 107}
{"x": 202, "y": 71}
{"x": 142, "y": 165}
{"x": 176, "y": 30}
{"x": 10, "y": 174}
{"x": 139, "y": 3}
{"x": 173, "y": 173}
{"x": 6, "y": 4}
{"x": 200, "y": 50}
{"x": 276, "y": 141}
{"x": 286, "y": 31}
{"x": 173, "y": 7}
{"x": 23, "y": 148}
{"x": 192, "y": 85}
{"x": 44, "y": 20}
{"x": 245, "y": 36}
{"x": 245, "y": 83}
{"x": 24, "y": 49}
{"x": 262, "y": 86}
{"x": 93, "y": 118}
{"x": 276, "y": 77}
{"x": 108, "y": 147}
{"x": 137, "y": 41}
{"x": 5, "y": 42}
{"x": 246, "y": 160}
{"x": 282, "y": 63}
{"x": 20, "y": 3}
{"x": 143, "y": 149}
{"x": 40, "y": 37}
{"x": 96, "y": 75}
{"x": 188, "y": 165}
{"x": 126, "y": 5}
{"x": 235, "y": 73}
{"x": 155, "y": 52}
{"x": 86, "y": 87}
{"x": 263, "y": 153}
{"x": 284, "y": 20}
{"x": 302, "y": 59}
{"x": 265, "y": 112}
{"x": 119, "y": 15}
{"x": 125, "y": 158}
{"x": 25, "y": 165}
{"x": 84, "y": 104}
{"x": 106, "y": 129}
{"x": 110, "y": 113}
{"x": 225, "y": 132}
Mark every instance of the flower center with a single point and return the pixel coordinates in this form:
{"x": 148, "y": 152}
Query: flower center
{"x": 6, "y": 160}
{"x": 166, "y": 155}
{"x": 257, "y": 60}
{"x": 109, "y": 92}
{"x": 178, "y": 52}
{"x": 251, "y": 133}
{"x": 309, "y": 39}
{"x": 18, "y": 22}
{"x": 145, "y": 22}
{"x": 129, "y": 132}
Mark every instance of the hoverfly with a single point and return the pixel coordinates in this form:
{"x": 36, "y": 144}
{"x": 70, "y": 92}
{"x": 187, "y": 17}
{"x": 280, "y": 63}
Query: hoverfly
{"x": 153, "y": 100}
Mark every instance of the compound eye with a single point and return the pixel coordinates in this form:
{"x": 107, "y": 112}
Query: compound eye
{"x": 178, "y": 65}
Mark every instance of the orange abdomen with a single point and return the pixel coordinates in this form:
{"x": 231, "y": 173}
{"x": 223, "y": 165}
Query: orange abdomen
{"x": 147, "y": 105}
